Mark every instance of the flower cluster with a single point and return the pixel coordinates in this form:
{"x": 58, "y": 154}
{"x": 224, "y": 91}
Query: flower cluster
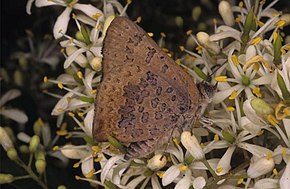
{"x": 244, "y": 140}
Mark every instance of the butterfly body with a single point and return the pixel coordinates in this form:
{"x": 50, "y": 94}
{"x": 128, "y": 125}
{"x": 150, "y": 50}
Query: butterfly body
{"x": 144, "y": 94}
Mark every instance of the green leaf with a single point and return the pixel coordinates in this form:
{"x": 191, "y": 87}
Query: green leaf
{"x": 250, "y": 24}
{"x": 114, "y": 142}
{"x": 283, "y": 88}
{"x": 200, "y": 73}
{"x": 86, "y": 34}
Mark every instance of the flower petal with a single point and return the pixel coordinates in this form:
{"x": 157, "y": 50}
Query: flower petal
{"x": 60, "y": 26}
{"x": 89, "y": 10}
{"x": 170, "y": 174}
{"x": 15, "y": 114}
{"x": 9, "y": 95}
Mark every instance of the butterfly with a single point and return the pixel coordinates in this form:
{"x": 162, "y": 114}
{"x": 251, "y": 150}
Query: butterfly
{"x": 144, "y": 95}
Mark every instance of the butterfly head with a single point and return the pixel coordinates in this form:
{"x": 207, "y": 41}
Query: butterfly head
{"x": 207, "y": 92}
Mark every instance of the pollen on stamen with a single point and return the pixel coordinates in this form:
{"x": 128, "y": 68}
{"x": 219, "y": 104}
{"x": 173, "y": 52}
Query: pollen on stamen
{"x": 284, "y": 152}
{"x": 275, "y": 172}
{"x": 160, "y": 174}
{"x": 60, "y": 85}
{"x": 71, "y": 114}
{"x": 81, "y": 114}
{"x": 45, "y": 79}
{"x": 219, "y": 169}
{"x": 77, "y": 177}
{"x": 199, "y": 49}
{"x": 59, "y": 110}
{"x": 175, "y": 140}
{"x": 238, "y": 19}
{"x": 76, "y": 165}
{"x": 240, "y": 181}
{"x": 90, "y": 174}
{"x": 55, "y": 148}
{"x": 129, "y": 2}
{"x": 80, "y": 74}
{"x": 271, "y": 119}
{"x": 61, "y": 132}
{"x": 235, "y": 60}
{"x": 241, "y": 4}
{"x": 231, "y": 109}
{"x": 233, "y": 95}
{"x": 221, "y": 78}
{"x": 257, "y": 92}
{"x": 269, "y": 155}
{"x": 163, "y": 34}
{"x": 181, "y": 48}
{"x": 177, "y": 61}
{"x": 183, "y": 168}
{"x": 138, "y": 20}
{"x": 280, "y": 23}
{"x": 150, "y": 34}
{"x": 189, "y": 32}
{"x": 165, "y": 50}
{"x": 97, "y": 15}
{"x": 96, "y": 148}
{"x": 98, "y": 159}
{"x": 216, "y": 137}
{"x": 260, "y": 23}
{"x": 256, "y": 41}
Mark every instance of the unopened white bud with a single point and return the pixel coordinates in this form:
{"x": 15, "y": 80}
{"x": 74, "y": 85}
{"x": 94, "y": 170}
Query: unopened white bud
{"x": 192, "y": 145}
{"x": 156, "y": 162}
{"x": 226, "y": 13}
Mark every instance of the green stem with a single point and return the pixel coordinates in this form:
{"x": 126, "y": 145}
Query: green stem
{"x": 21, "y": 177}
{"x": 31, "y": 173}
{"x": 205, "y": 162}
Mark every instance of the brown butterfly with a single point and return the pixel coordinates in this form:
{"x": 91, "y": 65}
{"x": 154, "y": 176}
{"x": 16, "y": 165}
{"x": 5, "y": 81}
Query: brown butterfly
{"x": 144, "y": 95}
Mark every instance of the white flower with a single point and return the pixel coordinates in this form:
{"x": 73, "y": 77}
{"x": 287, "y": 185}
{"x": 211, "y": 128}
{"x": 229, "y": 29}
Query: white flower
{"x": 192, "y": 145}
{"x": 260, "y": 166}
{"x": 266, "y": 183}
{"x": 12, "y": 113}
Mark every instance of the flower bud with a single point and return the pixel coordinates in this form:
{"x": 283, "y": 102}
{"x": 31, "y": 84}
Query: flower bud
{"x": 96, "y": 63}
{"x": 192, "y": 145}
{"x": 40, "y": 165}
{"x": 257, "y": 110}
{"x": 5, "y": 140}
{"x": 34, "y": 142}
{"x": 37, "y": 126}
{"x": 195, "y": 13}
{"x": 24, "y": 149}
{"x": 61, "y": 187}
{"x": 260, "y": 167}
{"x": 12, "y": 154}
{"x": 6, "y": 178}
{"x": 156, "y": 162}
{"x": 203, "y": 39}
{"x": 226, "y": 13}
{"x": 39, "y": 155}
{"x": 179, "y": 21}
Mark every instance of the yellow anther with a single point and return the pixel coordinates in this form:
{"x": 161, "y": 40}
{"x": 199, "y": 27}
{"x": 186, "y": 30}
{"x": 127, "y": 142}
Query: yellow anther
{"x": 284, "y": 152}
{"x": 181, "y": 48}
{"x": 69, "y": 135}
{"x": 221, "y": 78}
{"x": 256, "y": 41}
{"x": 280, "y": 23}
{"x": 60, "y": 85}
{"x": 90, "y": 174}
{"x": 71, "y": 114}
{"x": 96, "y": 148}
{"x": 81, "y": 114}
{"x": 231, "y": 109}
{"x": 214, "y": 21}
{"x": 138, "y": 20}
{"x": 183, "y": 168}
{"x": 238, "y": 19}
{"x": 256, "y": 66}
{"x": 170, "y": 55}
{"x": 199, "y": 49}
{"x": 178, "y": 61}
{"x": 240, "y": 181}
{"x": 55, "y": 148}
{"x": 77, "y": 177}
{"x": 45, "y": 79}
{"x": 59, "y": 110}
{"x": 150, "y": 34}
{"x": 98, "y": 159}
{"x": 235, "y": 60}
{"x": 160, "y": 174}
{"x": 257, "y": 92}
{"x": 97, "y": 15}
{"x": 271, "y": 119}
{"x": 233, "y": 95}
{"x": 256, "y": 59}
{"x": 76, "y": 165}
{"x": 216, "y": 138}
{"x": 129, "y": 2}
{"x": 275, "y": 35}
{"x": 260, "y": 23}
{"x": 275, "y": 172}
{"x": 163, "y": 34}
{"x": 241, "y": 4}
{"x": 219, "y": 170}
{"x": 176, "y": 141}
{"x": 165, "y": 50}
{"x": 61, "y": 132}
{"x": 189, "y": 32}
{"x": 269, "y": 155}
{"x": 80, "y": 74}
